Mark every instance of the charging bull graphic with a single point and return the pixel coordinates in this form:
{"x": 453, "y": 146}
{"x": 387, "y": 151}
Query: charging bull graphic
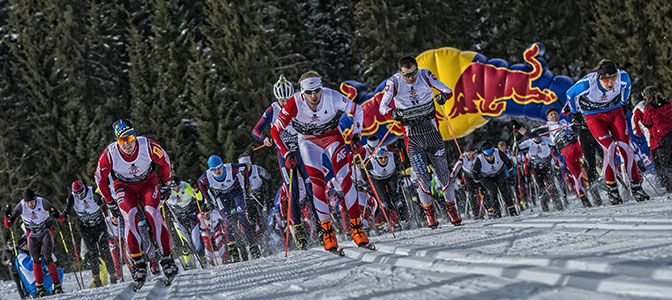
{"x": 483, "y": 89}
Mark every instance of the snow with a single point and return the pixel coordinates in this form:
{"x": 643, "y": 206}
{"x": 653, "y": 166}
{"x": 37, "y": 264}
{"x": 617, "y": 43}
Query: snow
{"x": 610, "y": 252}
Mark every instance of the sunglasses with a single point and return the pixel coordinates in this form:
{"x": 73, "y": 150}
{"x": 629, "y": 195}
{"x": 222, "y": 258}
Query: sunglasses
{"x": 80, "y": 193}
{"x": 409, "y": 74}
{"x": 311, "y": 92}
{"x": 126, "y": 139}
{"x": 217, "y": 168}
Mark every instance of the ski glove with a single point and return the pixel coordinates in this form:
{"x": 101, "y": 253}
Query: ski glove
{"x": 290, "y": 161}
{"x": 165, "y": 192}
{"x": 114, "y": 209}
{"x": 397, "y": 115}
{"x": 356, "y": 146}
{"x": 441, "y": 98}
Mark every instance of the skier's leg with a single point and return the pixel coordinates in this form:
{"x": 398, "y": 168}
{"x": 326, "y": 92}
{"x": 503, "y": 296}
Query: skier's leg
{"x": 599, "y": 128}
{"x": 149, "y": 194}
{"x": 490, "y": 197}
{"x": 505, "y": 190}
{"x": 127, "y": 200}
{"x": 239, "y": 200}
{"x": 47, "y": 250}
{"x": 90, "y": 239}
{"x": 103, "y": 237}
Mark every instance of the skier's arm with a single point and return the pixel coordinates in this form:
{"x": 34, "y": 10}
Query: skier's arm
{"x": 160, "y": 157}
{"x": 285, "y": 116}
{"x": 97, "y": 199}
{"x": 436, "y": 83}
{"x": 625, "y": 87}
{"x": 579, "y": 89}
{"x": 524, "y": 144}
{"x": 204, "y": 185}
{"x": 262, "y": 172}
{"x": 264, "y": 121}
{"x": 52, "y": 209}
{"x": 549, "y": 141}
{"x": 390, "y": 92}
{"x": 103, "y": 170}
{"x": 477, "y": 170}
{"x": 507, "y": 161}
{"x": 70, "y": 202}
{"x": 16, "y": 212}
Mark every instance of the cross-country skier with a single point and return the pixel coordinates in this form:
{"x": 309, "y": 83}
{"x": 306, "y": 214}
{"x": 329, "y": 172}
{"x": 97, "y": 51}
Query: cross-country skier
{"x": 539, "y": 152}
{"x": 383, "y": 171}
{"x": 599, "y": 95}
{"x": 115, "y": 245}
{"x": 26, "y": 267}
{"x": 567, "y": 141}
{"x": 283, "y": 90}
{"x": 257, "y": 189}
{"x": 131, "y": 160}
{"x": 465, "y": 166}
{"x": 222, "y": 186}
{"x": 183, "y": 207}
{"x": 34, "y": 212}
{"x": 210, "y": 221}
{"x": 411, "y": 91}
{"x": 315, "y": 113}
{"x": 489, "y": 169}
{"x": 657, "y": 119}
{"x": 87, "y": 206}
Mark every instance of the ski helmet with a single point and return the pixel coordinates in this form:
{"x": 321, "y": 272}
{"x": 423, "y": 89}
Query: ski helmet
{"x": 21, "y": 242}
{"x": 28, "y": 195}
{"x": 174, "y": 182}
{"x": 214, "y": 161}
{"x": 244, "y": 159}
{"x": 381, "y": 152}
{"x": 78, "y": 187}
{"x": 123, "y": 128}
{"x": 372, "y": 142}
{"x": 487, "y": 148}
{"x": 283, "y": 89}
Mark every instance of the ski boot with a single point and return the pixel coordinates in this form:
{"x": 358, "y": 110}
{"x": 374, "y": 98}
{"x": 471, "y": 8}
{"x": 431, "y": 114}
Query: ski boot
{"x": 328, "y": 236}
{"x": 358, "y": 234}
{"x": 431, "y": 218}
{"x": 638, "y": 193}
{"x": 232, "y": 252}
{"x": 585, "y": 201}
{"x": 140, "y": 270}
{"x": 512, "y": 210}
{"x": 453, "y": 214}
{"x": 58, "y": 289}
{"x": 596, "y": 197}
{"x": 301, "y": 239}
{"x": 96, "y": 281}
{"x": 153, "y": 266}
{"x": 41, "y": 292}
{"x": 169, "y": 268}
{"x": 113, "y": 279}
{"x": 614, "y": 196}
{"x": 255, "y": 251}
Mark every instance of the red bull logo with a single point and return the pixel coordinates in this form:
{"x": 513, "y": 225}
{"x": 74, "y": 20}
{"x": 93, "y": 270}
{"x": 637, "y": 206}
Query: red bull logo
{"x": 484, "y": 89}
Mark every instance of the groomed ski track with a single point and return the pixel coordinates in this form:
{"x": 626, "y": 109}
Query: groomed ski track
{"x": 611, "y": 252}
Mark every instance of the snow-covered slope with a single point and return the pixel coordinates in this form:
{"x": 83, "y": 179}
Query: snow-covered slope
{"x": 611, "y": 252}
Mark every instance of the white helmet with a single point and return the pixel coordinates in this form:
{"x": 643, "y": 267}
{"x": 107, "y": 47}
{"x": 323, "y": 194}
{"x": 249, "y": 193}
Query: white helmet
{"x": 283, "y": 89}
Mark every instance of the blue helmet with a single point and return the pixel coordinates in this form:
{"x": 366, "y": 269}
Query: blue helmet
{"x": 214, "y": 161}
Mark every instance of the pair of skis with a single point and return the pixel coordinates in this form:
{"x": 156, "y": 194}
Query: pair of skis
{"x": 340, "y": 252}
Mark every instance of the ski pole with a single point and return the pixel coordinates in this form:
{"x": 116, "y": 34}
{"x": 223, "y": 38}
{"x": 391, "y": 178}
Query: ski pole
{"x": 382, "y": 208}
{"x": 381, "y": 142}
{"x": 16, "y": 253}
{"x": 515, "y": 143}
{"x": 67, "y": 252}
{"x": 453, "y": 135}
{"x": 289, "y": 210}
{"x": 74, "y": 247}
{"x": 259, "y": 147}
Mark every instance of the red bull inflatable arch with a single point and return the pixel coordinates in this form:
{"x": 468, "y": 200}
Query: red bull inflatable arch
{"x": 483, "y": 89}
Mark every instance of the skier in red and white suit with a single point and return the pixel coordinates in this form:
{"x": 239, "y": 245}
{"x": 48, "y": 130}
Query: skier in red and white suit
{"x": 314, "y": 113}
{"x": 131, "y": 162}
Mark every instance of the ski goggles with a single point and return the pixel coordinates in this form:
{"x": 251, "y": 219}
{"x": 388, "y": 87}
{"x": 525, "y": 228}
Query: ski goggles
{"x": 79, "y": 193}
{"x": 488, "y": 152}
{"x": 608, "y": 79}
{"x": 217, "y": 168}
{"x": 311, "y": 92}
{"x": 125, "y": 139}
{"x": 409, "y": 74}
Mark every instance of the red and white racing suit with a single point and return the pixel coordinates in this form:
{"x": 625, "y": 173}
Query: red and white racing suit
{"x": 135, "y": 182}
{"x": 318, "y": 135}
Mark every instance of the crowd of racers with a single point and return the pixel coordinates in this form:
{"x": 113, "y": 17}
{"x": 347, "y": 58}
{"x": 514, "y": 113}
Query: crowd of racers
{"x": 233, "y": 211}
